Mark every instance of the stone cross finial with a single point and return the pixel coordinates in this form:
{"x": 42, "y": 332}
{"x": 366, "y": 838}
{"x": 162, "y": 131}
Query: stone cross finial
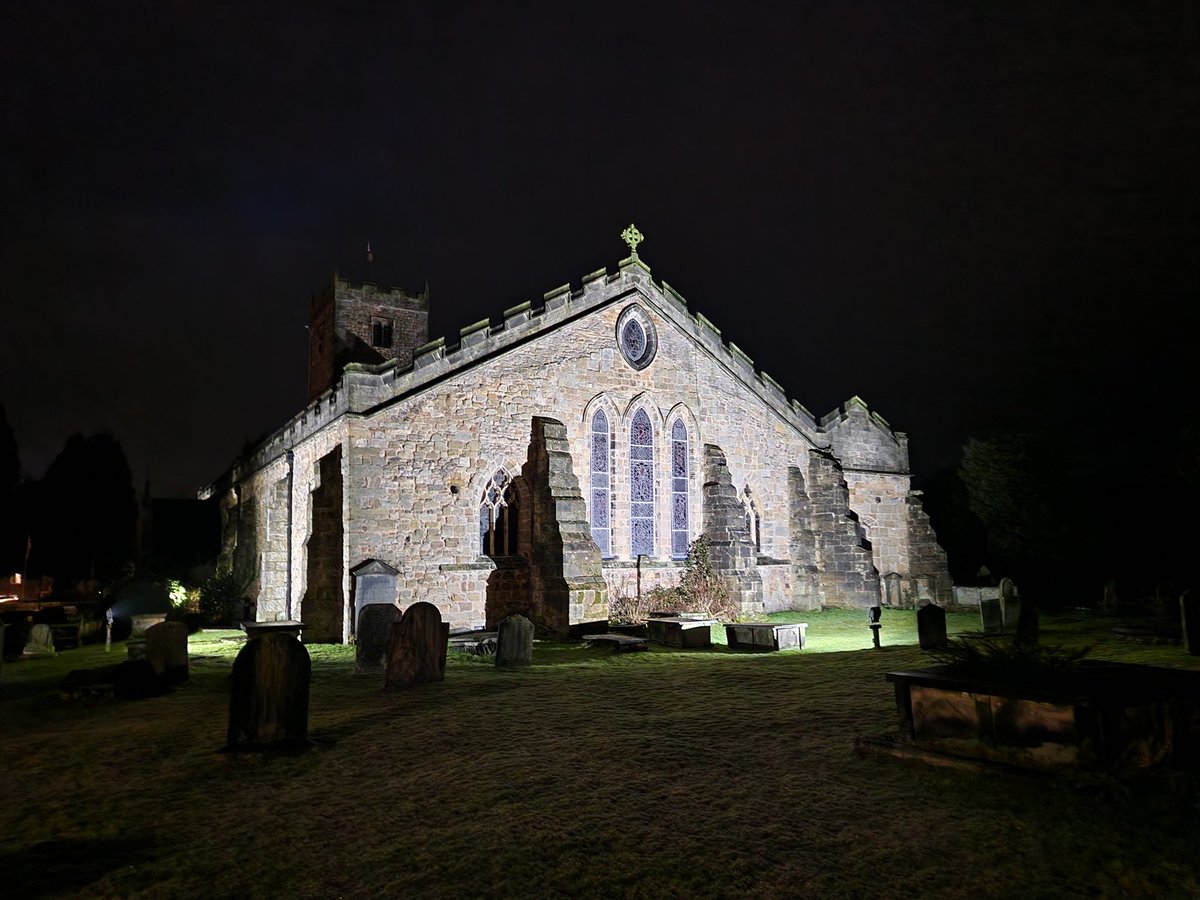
{"x": 632, "y": 237}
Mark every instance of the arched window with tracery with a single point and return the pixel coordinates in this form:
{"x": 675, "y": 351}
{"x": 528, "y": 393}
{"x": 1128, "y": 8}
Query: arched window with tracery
{"x": 641, "y": 485}
{"x": 600, "y": 496}
{"x": 498, "y": 517}
{"x": 679, "y": 490}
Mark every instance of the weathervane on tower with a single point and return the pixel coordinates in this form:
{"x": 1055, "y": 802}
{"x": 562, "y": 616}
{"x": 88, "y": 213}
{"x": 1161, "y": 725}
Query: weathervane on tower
{"x": 632, "y": 237}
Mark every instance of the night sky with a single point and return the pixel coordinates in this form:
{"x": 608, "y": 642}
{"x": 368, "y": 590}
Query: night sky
{"x": 981, "y": 218}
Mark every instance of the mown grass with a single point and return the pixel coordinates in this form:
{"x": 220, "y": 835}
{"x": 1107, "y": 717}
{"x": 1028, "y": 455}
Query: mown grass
{"x": 664, "y": 774}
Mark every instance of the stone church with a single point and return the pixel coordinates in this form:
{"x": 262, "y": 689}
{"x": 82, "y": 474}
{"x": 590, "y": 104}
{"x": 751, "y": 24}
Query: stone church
{"x": 564, "y": 455}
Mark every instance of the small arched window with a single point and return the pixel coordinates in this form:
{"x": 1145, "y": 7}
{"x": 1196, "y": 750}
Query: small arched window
{"x": 498, "y": 517}
{"x": 679, "y": 490}
{"x": 600, "y": 495}
{"x": 753, "y": 519}
{"x": 641, "y": 485}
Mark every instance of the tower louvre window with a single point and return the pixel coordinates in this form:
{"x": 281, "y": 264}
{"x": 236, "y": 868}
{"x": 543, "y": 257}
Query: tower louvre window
{"x": 381, "y": 332}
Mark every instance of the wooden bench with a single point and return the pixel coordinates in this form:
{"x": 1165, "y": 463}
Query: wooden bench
{"x": 620, "y": 643}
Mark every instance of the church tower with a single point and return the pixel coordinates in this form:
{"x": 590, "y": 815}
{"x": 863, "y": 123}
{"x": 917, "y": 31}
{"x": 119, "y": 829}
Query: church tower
{"x": 362, "y": 323}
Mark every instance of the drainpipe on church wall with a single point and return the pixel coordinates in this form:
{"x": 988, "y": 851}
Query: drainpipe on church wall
{"x": 291, "y": 467}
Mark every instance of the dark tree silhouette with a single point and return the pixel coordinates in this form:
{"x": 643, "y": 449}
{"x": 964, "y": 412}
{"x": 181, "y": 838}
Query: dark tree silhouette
{"x": 958, "y": 529}
{"x": 13, "y": 520}
{"x": 1021, "y": 489}
{"x": 86, "y": 511}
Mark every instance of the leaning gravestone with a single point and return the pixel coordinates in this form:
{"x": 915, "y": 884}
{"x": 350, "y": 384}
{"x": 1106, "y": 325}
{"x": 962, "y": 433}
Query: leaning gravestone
{"x": 514, "y": 643}
{"x": 167, "y": 650}
{"x": 1189, "y": 610}
{"x": 417, "y": 648}
{"x": 41, "y": 641}
{"x": 931, "y": 627}
{"x": 1010, "y": 603}
{"x": 991, "y": 616}
{"x": 371, "y": 638}
{"x": 268, "y": 704}
{"x": 1109, "y": 601}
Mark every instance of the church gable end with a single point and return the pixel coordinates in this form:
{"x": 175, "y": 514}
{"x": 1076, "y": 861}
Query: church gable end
{"x": 640, "y": 427}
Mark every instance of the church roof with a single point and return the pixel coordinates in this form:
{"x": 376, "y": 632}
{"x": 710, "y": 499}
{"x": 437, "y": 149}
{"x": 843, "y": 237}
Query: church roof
{"x": 365, "y": 389}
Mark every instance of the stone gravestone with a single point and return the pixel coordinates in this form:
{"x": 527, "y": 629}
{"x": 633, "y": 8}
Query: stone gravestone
{"x": 893, "y": 582}
{"x": 991, "y": 616}
{"x": 1109, "y": 601}
{"x": 417, "y": 648}
{"x": 1010, "y": 603}
{"x": 167, "y": 650}
{"x": 1028, "y": 625}
{"x": 41, "y": 641}
{"x": 371, "y": 637}
{"x": 931, "y": 627}
{"x": 268, "y": 704}
{"x": 1189, "y": 610}
{"x": 514, "y": 643}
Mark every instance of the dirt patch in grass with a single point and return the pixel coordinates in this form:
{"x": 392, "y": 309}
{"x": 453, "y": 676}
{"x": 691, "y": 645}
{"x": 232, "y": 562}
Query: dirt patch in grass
{"x": 667, "y": 773}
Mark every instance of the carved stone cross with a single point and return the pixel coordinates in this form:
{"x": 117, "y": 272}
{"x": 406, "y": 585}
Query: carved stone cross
{"x": 632, "y": 237}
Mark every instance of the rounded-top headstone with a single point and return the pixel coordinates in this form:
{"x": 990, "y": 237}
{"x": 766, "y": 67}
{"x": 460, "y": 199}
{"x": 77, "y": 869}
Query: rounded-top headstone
{"x": 371, "y": 637}
{"x": 268, "y": 703}
{"x": 417, "y": 648}
{"x": 514, "y": 642}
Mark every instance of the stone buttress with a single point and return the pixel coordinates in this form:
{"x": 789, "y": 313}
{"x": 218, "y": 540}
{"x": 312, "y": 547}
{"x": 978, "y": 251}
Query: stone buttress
{"x": 567, "y": 586}
{"x": 732, "y": 552}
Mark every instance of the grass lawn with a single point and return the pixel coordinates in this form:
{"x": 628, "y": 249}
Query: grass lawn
{"x": 660, "y": 774}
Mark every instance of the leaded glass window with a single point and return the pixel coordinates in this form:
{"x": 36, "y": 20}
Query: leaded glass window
{"x": 641, "y": 485}
{"x": 679, "y": 490}
{"x": 600, "y": 498}
{"x": 633, "y": 339}
{"x": 498, "y": 517}
{"x": 636, "y": 337}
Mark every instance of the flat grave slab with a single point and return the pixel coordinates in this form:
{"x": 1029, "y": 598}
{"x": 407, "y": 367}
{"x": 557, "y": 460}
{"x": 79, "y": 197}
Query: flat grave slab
{"x": 766, "y": 636}
{"x": 620, "y": 643}
{"x": 685, "y": 633}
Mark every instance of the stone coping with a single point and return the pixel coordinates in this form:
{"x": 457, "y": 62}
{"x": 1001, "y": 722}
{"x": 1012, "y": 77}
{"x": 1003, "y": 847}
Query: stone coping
{"x": 1090, "y": 683}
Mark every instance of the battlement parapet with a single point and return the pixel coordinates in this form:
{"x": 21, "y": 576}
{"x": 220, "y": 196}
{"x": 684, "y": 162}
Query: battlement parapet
{"x": 394, "y": 296}
{"x": 365, "y": 387}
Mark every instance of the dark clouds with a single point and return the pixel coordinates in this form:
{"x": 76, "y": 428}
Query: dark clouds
{"x": 980, "y": 219}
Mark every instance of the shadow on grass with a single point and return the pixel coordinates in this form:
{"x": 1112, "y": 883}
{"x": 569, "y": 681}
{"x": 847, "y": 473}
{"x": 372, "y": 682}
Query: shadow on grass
{"x": 52, "y": 868}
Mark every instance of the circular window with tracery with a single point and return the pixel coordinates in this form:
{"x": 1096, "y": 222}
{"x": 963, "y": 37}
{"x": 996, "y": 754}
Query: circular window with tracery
{"x": 636, "y": 337}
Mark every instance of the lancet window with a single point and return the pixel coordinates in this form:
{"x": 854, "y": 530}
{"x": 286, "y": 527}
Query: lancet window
{"x": 641, "y": 485}
{"x": 600, "y": 496}
{"x": 753, "y": 519}
{"x": 679, "y": 490}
